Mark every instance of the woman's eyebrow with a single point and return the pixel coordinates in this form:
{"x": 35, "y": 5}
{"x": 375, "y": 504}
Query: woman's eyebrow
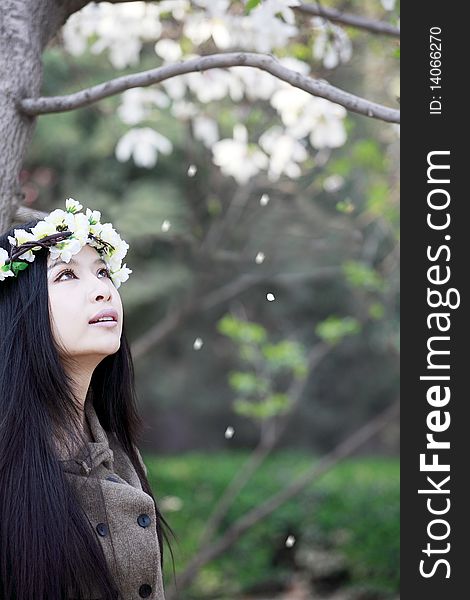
{"x": 72, "y": 261}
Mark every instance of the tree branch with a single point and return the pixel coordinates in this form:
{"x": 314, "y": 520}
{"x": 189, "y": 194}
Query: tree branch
{"x": 258, "y": 513}
{"x": 263, "y": 449}
{"x": 378, "y": 27}
{"x": 46, "y": 105}
{"x": 157, "y": 333}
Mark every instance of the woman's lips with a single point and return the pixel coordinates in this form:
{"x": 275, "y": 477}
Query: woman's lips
{"x": 107, "y": 324}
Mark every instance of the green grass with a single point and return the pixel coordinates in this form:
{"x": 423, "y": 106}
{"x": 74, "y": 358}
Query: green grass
{"x": 354, "y": 509}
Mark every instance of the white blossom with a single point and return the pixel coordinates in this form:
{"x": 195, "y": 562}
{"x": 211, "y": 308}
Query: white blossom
{"x": 43, "y": 229}
{"x": 177, "y": 8}
{"x": 143, "y": 144}
{"x": 256, "y": 84}
{"x": 120, "y": 28}
{"x": 236, "y": 158}
{"x": 5, "y": 271}
{"x": 72, "y": 205}
{"x": 66, "y": 249}
{"x": 214, "y": 84}
{"x": 388, "y": 4}
{"x": 331, "y": 44}
{"x": 303, "y": 115}
{"x": 205, "y": 129}
{"x": 137, "y": 103}
{"x": 329, "y": 131}
{"x": 261, "y": 30}
{"x": 168, "y": 49}
{"x": 285, "y": 153}
{"x": 282, "y": 7}
{"x": 333, "y": 183}
{"x": 183, "y": 110}
{"x": 120, "y": 276}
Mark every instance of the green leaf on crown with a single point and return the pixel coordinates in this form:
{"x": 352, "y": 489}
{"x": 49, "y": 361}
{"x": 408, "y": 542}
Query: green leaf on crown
{"x": 18, "y": 266}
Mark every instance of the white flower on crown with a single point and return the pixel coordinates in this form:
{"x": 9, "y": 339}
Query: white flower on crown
{"x": 72, "y": 205}
{"x": 109, "y": 234}
{"x": 81, "y": 226}
{"x": 66, "y": 249}
{"x": 59, "y": 217}
{"x": 120, "y": 276}
{"x": 22, "y": 236}
{"x": 93, "y": 216}
{"x": 4, "y": 270}
{"x": 43, "y": 229}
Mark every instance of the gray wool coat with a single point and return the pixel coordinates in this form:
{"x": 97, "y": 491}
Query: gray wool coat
{"x": 127, "y": 519}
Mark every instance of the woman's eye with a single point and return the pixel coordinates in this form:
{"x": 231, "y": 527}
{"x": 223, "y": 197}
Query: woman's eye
{"x": 70, "y": 272}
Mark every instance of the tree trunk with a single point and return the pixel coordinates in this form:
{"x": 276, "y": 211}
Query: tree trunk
{"x": 26, "y": 27}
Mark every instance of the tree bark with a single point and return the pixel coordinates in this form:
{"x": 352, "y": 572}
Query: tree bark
{"x": 26, "y": 27}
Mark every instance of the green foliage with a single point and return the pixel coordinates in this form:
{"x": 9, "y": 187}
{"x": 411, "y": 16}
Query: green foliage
{"x": 241, "y": 331}
{"x": 378, "y": 202}
{"x": 285, "y": 355}
{"x": 250, "y": 5}
{"x": 333, "y": 329}
{"x": 258, "y": 399}
{"x": 248, "y": 383}
{"x": 376, "y": 310}
{"x": 368, "y": 153}
{"x": 271, "y": 406}
{"x": 367, "y": 514}
{"x": 15, "y": 266}
{"x": 362, "y": 276}
{"x": 354, "y": 508}
{"x": 345, "y": 206}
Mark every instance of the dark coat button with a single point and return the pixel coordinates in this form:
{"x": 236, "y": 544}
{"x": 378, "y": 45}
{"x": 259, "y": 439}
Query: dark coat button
{"x": 145, "y": 590}
{"x": 102, "y": 529}
{"x": 111, "y": 478}
{"x": 143, "y": 520}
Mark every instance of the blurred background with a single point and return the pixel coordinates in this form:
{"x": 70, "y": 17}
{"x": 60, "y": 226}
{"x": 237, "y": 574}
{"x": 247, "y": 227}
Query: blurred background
{"x": 263, "y": 308}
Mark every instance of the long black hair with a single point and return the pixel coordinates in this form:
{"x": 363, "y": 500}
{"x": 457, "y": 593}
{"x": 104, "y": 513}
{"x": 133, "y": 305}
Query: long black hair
{"x": 47, "y": 546}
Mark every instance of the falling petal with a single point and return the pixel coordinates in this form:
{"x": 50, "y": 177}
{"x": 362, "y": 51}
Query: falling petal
{"x": 197, "y": 343}
{"x": 270, "y": 297}
{"x": 229, "y": 432}
{"x": 166, "y": 225}
{"x": 290, "y": 541}
{"x": 259, "y": 258}
{"x": 192, "y": 170}
{"x": 264, "y": 199}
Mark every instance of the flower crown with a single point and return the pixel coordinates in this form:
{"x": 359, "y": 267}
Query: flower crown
{"x": 65, "y": 233}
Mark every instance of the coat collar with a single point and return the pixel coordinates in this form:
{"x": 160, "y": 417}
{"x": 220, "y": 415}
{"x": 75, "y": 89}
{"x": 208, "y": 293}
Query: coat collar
{"x": 96, "y": 453}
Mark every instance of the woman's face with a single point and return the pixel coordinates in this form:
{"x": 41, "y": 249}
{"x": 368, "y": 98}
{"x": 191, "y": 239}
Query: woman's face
{"x": 78, "y": 290}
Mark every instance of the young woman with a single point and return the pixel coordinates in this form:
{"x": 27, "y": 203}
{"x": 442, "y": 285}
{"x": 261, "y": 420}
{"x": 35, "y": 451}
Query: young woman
{"x": 77, "y": 516}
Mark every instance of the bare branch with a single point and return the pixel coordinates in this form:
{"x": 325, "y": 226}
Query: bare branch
{"x": 378, "y": 27}
{"x": 265, "y": 62}
{"x": 25, "y": 214}
{"x": 263, "y": 449}
{"x": 257, "y": 514}
{"x": 190, "y": 305}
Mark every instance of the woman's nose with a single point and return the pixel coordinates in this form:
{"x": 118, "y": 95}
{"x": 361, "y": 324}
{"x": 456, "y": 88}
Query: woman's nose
{"x": 101, "y": 289}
